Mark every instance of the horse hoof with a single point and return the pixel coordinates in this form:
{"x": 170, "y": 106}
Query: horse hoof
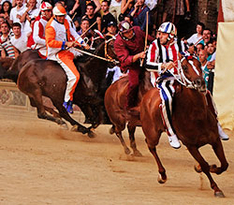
{"x": 74, "y": 128}
{"x": 137, "y": 153}
{"x": 91, "y": 134}
{"x": 219, "y": 194}
{"x": 198, "y": 168}
{"x": 64, "y": 126}
{"x": 111, "y": 131}
{"x": 127, "y": 151}
{"x": 161, "y": 180}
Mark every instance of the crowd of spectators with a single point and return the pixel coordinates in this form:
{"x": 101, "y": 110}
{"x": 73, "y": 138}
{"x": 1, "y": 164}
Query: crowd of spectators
{"x": 17, "y": 16}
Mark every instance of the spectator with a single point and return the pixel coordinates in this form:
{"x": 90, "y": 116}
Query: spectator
{"x": 7, "y": 49}
{"x": 115, "y": 8}
{"x": 19, "y": 41}
{"x": 203, "y": 60}
{"x": 5, "y": 11}
{"x": 17, "y": 12}
{"x": 126, "y": 7}
{"x": 107, "y": 16}
{"x": 197, "y": 37}
{"x": 83, "y": 5}
{"x": 174, "y": 9}
{"x": 206, "y": 36}
{"x": 93, "y": 17}
{"x": 139, "y": 13}
{"x": 199, "y": 47}
{"x": 30, "y": 12}
{"x": 210, "y": 48}
{"x": 111, "y": 29}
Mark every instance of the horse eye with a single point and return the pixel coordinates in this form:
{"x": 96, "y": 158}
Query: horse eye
{"x": 185, "y": 68}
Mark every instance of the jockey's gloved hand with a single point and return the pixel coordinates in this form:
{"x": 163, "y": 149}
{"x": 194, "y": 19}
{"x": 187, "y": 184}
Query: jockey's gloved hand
{"x": 86, "y": 46}
{"x": 70, "y": 44}
{"x": 167, "y": 66}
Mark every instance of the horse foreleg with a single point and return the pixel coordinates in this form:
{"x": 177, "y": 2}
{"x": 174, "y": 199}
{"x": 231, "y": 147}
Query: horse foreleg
{"x": 218, "y": 149}
{"x": 131, "y": 132}
{"x": 76, "y": 126}
{"x": 206, "y": 169}
{"x": 162, "y": 178}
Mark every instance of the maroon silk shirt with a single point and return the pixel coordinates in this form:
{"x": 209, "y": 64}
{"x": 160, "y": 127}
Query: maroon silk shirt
{"x": 126, "y": 49}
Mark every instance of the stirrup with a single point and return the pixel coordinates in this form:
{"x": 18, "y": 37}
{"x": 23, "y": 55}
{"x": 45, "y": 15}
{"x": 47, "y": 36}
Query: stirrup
{"x": 174, "y": 142}
{"x": 222, "y": 134}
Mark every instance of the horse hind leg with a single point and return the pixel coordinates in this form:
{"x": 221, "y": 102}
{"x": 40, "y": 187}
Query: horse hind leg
{"x": 131, "y": 132}
{"x": 126, "y": 149}
{"x": 35, "y": 97}
{"x": 206, "y": 169}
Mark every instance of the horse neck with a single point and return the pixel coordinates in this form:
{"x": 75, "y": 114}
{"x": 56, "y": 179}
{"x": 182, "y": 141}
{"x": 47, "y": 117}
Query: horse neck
{"x": 188, "y": 97}
{"x": 145, "y": 84}
{"x": 97, "y": 67}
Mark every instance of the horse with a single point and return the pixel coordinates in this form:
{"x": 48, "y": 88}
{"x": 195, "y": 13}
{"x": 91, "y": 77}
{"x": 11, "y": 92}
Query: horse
{"x": 195, "y": 124}
{"x": 5, "y": 64}
{"x": 115, "y": 100}
{"x": 35, "y": 80}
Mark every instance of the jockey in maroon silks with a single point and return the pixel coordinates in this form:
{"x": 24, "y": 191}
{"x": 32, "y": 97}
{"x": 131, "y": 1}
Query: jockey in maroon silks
{"x": 129, "y": 48}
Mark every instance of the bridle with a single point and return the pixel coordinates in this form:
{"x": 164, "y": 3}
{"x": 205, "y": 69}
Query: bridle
{"x": 106, "y": 50}
{"x": 184, "y": 80}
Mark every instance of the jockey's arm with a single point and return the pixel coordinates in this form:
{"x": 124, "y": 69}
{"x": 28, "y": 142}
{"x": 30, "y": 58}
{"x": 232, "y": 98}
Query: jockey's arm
{"x": 38, "y": 33}
{"x": 152, "y": 63}
{"x": 78, "y": 38}
{"x": 140, "y": 55}
{"x": 50, "y": 39}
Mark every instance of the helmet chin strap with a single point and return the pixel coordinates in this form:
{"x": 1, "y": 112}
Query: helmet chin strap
{"x": 127, "y": 39}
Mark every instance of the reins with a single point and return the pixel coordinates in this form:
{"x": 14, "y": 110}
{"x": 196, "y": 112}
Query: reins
{"x": 187, "y": 83}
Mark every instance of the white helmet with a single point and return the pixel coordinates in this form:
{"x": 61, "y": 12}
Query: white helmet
{"x": 45, "y": 6}
{"x": 59, "y": 10}
{"x": 168, "y": 27}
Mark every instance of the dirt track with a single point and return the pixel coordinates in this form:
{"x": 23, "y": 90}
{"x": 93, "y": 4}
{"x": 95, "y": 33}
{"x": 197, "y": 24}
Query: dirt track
{"x": 44, "y": 164}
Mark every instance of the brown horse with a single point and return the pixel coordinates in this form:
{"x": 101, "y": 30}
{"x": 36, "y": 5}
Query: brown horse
{"x": 40, "y": 78}
{"x": 115, "y": 100}
{"x": 193, "y": 121}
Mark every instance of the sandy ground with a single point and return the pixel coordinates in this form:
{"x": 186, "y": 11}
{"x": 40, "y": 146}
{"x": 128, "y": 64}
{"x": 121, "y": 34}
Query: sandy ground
{"x": 40, "y": 163}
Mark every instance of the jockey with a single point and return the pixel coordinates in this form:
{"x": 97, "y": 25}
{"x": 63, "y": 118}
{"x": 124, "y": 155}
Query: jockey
{"x": 129, "y": 48}
{"x": 38, "y": 30}
{"x": 59, "y": 35}
{"x": 163, "y": 59}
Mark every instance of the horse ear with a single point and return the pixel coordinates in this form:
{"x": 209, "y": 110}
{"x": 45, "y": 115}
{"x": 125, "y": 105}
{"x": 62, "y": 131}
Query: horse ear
{"x": 180, "y": 56}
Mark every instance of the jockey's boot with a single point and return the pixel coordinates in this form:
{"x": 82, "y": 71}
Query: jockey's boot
{"x": 68, "y": 106}
{"x": 174, "y": 142}
{"x": 222, "y": 134}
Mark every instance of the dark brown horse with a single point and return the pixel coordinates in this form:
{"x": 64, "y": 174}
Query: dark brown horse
{"x": 115, "y": 101}
{"x": 194, "y": 123}
{"x": 40, "y": 78}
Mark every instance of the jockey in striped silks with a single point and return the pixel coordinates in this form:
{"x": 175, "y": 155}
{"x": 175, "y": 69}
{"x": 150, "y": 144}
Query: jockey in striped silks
{"x": 162, "y": 56}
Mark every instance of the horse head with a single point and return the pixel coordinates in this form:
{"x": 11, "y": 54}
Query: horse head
{"x": 191, "y": 73}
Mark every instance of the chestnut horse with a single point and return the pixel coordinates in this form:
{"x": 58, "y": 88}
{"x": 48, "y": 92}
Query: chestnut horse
{"x": 41, "y": 77}
{"x": 115, "y": 101}
{"x": 194, "y": 122}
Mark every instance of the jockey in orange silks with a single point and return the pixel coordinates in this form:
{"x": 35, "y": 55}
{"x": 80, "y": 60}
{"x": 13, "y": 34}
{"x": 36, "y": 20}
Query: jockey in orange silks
{"x": 59, "y": 35}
